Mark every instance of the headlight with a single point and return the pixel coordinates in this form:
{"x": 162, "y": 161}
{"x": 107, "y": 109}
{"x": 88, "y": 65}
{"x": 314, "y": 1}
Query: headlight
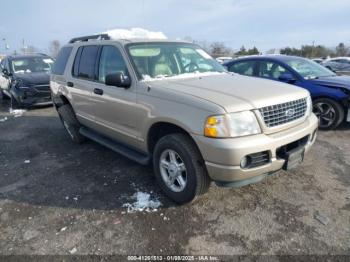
{"x": 308, "y": 106}
{"x": 232, "y": 125}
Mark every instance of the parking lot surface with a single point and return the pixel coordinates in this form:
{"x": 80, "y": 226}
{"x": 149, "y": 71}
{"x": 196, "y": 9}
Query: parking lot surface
{"x": 57, "y": 197}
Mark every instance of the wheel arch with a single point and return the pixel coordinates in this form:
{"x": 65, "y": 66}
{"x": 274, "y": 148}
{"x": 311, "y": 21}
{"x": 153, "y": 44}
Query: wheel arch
{"x": 161, "y": 129}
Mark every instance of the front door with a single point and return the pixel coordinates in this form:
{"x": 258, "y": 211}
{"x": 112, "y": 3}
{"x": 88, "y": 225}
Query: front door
{"x": 115, "y": 107}
{"x": 4, "y": 79}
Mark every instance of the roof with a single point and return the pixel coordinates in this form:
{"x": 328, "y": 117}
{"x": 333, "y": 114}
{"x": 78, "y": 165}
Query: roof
{"x": 270, "y": 57}
{"x": 128, "y": 41}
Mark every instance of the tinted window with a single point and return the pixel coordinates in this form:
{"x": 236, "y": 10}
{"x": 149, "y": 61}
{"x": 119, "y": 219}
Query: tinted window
{"x": 76, "y": 62}
{"x": 271, "y": 70}
{"x": 61, "y": 61}
{"x": 87, "y": 62}
{"x": 111, "y": 61}
{"x": 243, "y": 68}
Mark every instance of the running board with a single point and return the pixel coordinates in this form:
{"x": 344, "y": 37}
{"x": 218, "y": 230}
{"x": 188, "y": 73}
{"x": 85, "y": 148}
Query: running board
{"x": 124, "y": 150}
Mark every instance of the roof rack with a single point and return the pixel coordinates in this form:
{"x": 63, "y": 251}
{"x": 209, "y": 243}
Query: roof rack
{"x": 90, "y": 37}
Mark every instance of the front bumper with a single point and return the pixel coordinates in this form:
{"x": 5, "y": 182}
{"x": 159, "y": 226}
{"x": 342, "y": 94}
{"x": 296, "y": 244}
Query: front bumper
{"x": 31, "y": 96}
{"x": 223, "y": 156}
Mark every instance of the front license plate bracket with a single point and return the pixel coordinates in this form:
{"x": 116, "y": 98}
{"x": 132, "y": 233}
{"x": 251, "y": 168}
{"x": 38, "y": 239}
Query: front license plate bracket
{"x": 293, "y": 158}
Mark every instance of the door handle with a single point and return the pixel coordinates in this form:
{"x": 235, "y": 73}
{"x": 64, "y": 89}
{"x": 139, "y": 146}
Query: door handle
{"x": 98, "y": 91}
{"x": 70, "y": 84}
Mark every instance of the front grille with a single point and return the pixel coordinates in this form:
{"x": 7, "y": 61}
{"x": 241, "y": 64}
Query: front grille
{"x": 258, "y": 159}
{"x": 276, "y": 115}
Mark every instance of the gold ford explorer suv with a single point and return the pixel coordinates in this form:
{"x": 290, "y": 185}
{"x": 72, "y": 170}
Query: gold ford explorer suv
{"x": 170, "y": 104}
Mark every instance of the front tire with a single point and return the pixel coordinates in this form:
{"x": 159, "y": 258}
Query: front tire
{"x": 70, "y": 123}
{"x": 179, "y": 168}
{"x": 329, "y": 112}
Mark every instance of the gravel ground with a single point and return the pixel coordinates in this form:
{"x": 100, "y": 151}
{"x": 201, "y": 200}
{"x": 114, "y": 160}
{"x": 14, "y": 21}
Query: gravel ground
{"x": 60, "y": 198}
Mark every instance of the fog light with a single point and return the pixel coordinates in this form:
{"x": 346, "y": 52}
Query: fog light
{"x": 244, "y": 162}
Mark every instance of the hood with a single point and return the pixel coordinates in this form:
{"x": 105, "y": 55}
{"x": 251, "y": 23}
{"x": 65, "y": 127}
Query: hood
{"x": 333, "y": 81}
{"x": 40, "y": 78}
{"x": 235, "y": 92}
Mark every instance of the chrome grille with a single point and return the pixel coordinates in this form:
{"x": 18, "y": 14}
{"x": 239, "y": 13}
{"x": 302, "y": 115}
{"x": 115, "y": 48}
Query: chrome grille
{"x": 276, "y": 115}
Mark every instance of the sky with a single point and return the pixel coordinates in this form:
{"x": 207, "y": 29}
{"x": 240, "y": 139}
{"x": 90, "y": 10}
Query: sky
{"x": 265, "y": 24}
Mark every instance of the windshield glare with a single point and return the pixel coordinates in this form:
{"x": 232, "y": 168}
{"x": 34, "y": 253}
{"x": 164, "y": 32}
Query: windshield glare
{"x": 31, "y": 65}
{"x": 309, "y": 69}
{"x": 158, "y": 60}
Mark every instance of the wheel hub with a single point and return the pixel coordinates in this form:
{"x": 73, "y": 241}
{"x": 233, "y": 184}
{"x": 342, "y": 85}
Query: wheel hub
{"x": 173, "y": 170}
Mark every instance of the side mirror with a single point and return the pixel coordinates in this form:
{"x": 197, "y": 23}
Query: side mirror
{"x": 118, "y": 80}
{"x": 287, "y": 77}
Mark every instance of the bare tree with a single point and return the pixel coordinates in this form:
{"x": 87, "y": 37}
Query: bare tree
{"x": 219, "y": 49}
{"x": 54, "y": 47}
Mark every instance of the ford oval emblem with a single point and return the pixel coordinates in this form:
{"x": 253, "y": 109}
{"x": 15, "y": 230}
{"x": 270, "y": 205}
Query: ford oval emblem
{"x": 290, "y": 112}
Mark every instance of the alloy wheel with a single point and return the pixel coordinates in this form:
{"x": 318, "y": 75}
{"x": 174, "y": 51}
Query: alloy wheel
{"x": 173, "y": 170}
{"x": 325, "y": 113}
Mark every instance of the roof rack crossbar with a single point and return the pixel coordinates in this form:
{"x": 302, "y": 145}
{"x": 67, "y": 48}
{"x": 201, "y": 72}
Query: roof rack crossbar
{"x": 89, "y": 37}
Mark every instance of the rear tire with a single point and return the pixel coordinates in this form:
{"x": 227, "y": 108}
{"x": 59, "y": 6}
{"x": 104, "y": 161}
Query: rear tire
{"x": 70, "y": 123}
{"x": 188, "y": 163}
{"x": 329, "y": 112}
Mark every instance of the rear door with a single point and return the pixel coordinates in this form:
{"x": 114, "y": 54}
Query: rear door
{"x": 82, "y": 82}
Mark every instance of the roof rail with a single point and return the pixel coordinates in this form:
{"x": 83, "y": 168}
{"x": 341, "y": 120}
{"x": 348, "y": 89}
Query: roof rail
{"x": 90, "y": 37}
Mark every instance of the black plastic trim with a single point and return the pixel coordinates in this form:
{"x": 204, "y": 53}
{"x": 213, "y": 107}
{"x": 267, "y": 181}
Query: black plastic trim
{"x": 122, "y": 149}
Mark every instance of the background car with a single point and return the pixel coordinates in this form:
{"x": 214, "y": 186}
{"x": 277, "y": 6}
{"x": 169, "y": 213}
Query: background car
{"x": 26, "y": 79}
{"x": 318, "y": 60}
{"x": 223, "y": 59}
{"x": 330, "y": 93}
{"x": 340, "y": 65}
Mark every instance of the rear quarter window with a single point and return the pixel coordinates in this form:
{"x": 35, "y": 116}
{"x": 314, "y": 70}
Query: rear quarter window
{"x": 61, "y": 61}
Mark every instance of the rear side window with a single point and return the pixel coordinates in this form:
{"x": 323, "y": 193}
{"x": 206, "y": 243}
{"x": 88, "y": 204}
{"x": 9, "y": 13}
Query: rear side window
{"x": 271, "y": 70}
{"x": 61, "y": 61}
{"x": 85, "y": 61}
{"x": 243, "y": 68}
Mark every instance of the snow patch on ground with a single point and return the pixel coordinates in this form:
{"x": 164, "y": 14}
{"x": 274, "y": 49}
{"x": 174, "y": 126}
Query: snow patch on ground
{"x": 134, "y": 33}
{"x": 3, "y": 119}
{"x": 143, "y": 203}
{"x": 17, "y": 112}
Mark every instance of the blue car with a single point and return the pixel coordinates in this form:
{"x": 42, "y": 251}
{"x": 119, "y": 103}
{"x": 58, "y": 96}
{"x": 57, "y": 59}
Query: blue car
{"x": 330, "y": 93}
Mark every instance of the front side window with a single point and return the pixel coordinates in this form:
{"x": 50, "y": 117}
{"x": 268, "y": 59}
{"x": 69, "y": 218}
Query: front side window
{"x": 158, "y": 60}
{"x": 86, "y": 62}
{"x": 111, "y": 61}
{"x": 243, "y": 68}
{"x": 271, "y": 70}
{"x": 309, "y": 69}
{"x": 31, "y": 65}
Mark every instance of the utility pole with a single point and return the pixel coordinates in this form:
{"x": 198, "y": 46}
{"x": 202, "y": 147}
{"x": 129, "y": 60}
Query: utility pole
{"x": 313, "y": 49}
{"x": 24, "y": 46}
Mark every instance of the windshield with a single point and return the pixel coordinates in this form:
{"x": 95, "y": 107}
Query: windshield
{"x": 309, "y": 69}
{"x": 31, "y": 65}
{"x": 158, "y": 60}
